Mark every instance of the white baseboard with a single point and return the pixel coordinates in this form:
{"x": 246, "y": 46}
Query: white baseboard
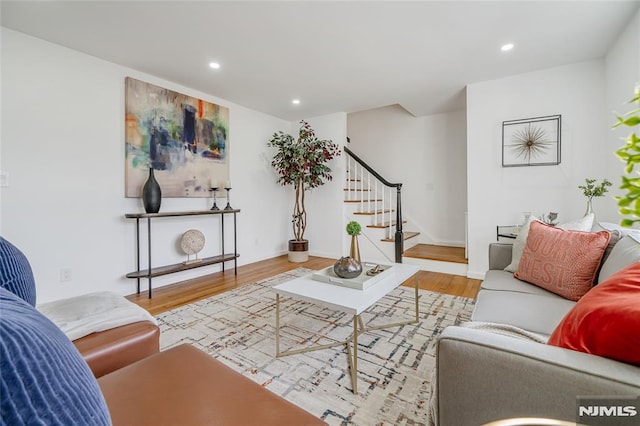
{"x": 438, "y": 266}
{"x": 476, "y": 275}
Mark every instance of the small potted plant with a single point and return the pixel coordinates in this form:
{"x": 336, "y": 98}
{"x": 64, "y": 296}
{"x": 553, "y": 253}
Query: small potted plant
{"x": 301, "y": 163}
{"x": 353, "y": 229}
{"x": 350, "y": 266}
{"x": 591, "y": 189}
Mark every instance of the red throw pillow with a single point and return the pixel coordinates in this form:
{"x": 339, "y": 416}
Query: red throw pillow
{"x": 563, "y": 262}
{"x": 606, "y": 321}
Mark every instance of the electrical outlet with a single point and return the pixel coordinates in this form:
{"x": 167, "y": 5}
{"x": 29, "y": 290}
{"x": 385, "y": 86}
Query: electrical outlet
{"x": 65, "y": 275}
{"x": 4, "y": 179}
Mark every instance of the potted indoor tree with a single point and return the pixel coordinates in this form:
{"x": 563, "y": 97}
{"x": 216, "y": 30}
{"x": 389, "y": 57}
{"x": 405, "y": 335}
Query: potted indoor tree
{"x": 301, "y": 163}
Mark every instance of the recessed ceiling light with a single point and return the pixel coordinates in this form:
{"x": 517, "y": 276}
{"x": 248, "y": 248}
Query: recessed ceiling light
{"x": 296, "y": 101}
{"x": 506, "y": 47}
{"x": 214, "y": 65}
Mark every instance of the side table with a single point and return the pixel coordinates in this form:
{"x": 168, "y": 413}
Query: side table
{"x": 507, "y": 231}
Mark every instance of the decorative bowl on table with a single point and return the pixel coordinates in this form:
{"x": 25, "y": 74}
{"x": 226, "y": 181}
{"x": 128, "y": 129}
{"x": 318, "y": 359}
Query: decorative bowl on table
{"x": 347, "y": 267}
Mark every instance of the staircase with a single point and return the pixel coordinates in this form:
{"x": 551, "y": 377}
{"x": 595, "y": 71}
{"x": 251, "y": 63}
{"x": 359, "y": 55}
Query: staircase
{"x": 376, "y": 204}
{"x": 444, "y": 259}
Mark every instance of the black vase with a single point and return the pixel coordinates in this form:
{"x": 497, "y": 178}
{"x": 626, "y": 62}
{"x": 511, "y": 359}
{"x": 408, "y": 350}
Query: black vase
{"x": 151, "y": 194}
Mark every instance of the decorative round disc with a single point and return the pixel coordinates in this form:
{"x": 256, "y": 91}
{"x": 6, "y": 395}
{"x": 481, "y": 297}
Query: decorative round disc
{"x": 192, "y": 241}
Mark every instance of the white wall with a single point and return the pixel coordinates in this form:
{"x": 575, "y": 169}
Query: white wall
{"x": 63, "y": 146}
{"x": 622, "y": 73}
{"x": 579, "y": 91}
{"x": 498, "y": 195}
{"x": 325, "y": 204}
{"x": 446, "y": 203}
{"x": 428, "y": 155}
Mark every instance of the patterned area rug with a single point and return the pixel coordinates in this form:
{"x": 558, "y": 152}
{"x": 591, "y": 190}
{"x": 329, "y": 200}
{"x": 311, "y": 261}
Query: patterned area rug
{"x": 394, "y": 365}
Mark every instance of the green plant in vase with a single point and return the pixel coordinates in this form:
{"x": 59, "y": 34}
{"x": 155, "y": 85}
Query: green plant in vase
{"x": 629, "y": 203}
{"x": 592, "y": 189}
{"x": 354, "y": 229}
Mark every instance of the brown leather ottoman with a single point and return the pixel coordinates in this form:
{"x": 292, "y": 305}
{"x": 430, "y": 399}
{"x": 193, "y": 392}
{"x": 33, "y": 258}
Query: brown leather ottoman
{"x": 185, "y": 386}
{"x": 109, "y": 350}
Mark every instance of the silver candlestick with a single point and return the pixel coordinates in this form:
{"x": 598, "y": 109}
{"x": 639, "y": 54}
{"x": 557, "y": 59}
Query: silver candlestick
{"x": 215, "y": 206}
{"x": 228, "y": 207}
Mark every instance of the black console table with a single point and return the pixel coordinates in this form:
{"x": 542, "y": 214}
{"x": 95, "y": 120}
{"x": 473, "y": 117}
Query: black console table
{"x": 177, "y": 267}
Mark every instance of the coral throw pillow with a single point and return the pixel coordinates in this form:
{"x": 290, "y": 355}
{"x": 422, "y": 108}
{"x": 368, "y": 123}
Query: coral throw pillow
{"x": 606, "y": 320}
{"x": 563, "y": 262}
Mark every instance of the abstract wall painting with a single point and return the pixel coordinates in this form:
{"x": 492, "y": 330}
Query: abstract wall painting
{"x": 184, "y": 139}
{"x": 531, "y": 141}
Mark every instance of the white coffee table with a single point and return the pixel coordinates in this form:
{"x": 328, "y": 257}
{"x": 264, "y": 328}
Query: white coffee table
{"x": 348, "y": 300}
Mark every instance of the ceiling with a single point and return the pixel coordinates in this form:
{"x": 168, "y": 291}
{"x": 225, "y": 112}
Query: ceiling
{"x": 332, "y": 56}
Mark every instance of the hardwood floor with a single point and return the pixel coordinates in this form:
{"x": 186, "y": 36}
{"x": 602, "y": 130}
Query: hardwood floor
{"x": 185, "y": 292}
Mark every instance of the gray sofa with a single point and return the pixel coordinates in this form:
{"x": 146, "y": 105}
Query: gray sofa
{"x": 498, "y": 365}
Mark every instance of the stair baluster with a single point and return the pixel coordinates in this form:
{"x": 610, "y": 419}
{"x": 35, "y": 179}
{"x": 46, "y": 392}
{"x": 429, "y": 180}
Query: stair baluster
{"x": 385, "y": 212}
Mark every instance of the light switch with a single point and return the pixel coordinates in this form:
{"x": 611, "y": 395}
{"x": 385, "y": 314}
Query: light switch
{"x": 4, "y": 179}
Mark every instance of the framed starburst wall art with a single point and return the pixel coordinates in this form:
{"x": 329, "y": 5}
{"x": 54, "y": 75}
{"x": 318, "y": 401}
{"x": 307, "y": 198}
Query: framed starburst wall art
{"x": 531, "y": 141}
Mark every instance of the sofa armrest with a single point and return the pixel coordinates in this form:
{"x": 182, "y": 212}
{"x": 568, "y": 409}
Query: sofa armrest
{"x": 499, "y": 255}
{"x": 109, "y": 350}
{"x": 483, "y": 377}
